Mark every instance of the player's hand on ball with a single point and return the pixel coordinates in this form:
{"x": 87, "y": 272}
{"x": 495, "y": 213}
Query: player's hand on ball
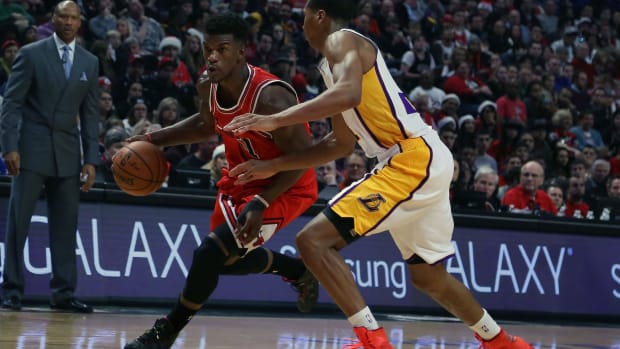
{"x": 137, "y": 138}
{"x": 252, "y": 170}
{"x": 139, "y": 168}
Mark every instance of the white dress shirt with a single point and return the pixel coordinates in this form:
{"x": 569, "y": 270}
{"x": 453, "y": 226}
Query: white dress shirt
{"x": 60, "y": 44}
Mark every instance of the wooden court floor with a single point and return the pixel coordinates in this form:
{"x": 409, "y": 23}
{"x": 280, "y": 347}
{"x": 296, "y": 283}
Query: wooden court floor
{"x": 39, "y": 328}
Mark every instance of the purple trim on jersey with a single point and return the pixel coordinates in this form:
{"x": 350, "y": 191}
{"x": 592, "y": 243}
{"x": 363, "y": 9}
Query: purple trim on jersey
{"x": 342, "y": 194}
{"x": 428, "y": 170}
{"x": 361, "y": 119}
{"x": 385, "y": 92}
{"x": 444, "y": 259}
{"x": 411, "y": 259}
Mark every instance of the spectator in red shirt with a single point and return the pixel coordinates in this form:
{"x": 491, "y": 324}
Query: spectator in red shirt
{"x": 615, "y": 165}
{"x": 527, "y": 197}
{"x": 582, "y": 62}
{"x": 471, "y": 90}
{"x": 574, "y": 198}
{"x": 510, "y": 106}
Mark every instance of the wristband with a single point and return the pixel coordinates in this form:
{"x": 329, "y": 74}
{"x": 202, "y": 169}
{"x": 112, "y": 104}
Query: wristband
{"x": 149, "y": 138}
{"x": 262, "y": 200}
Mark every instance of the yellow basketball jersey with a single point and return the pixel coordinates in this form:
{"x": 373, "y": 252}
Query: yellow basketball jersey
{"x": 385, "y": 115}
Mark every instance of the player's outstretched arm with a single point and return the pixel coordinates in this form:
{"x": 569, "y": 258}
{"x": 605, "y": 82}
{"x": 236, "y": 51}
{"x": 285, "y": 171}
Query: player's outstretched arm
{"x": 338, "y": 143}
{"x": 347, "y": 69}
{"x": 193, "y": 129}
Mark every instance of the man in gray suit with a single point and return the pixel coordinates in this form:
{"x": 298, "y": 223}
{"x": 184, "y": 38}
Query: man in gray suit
{"x": 53, "y": 82}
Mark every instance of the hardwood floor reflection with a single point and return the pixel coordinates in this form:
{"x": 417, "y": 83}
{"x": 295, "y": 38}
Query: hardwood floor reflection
{"x": 39, "y": 329}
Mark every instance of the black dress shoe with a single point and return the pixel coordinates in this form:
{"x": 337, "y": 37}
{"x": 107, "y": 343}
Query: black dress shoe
{"x": 13, "y": 303}
{"x": 73, "y": 305}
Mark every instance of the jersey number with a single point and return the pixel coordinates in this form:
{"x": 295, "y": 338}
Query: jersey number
{"x": 246, "y": 144}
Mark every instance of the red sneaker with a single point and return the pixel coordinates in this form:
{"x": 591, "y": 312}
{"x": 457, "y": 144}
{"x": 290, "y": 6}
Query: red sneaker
{"x": 503, "y": 341}
{"x": 370, "y": 339}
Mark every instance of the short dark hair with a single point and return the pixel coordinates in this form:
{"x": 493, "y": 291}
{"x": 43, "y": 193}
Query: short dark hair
{"x": 65, "y": 3}
{"x": 344, "y": 10}
{"x": 228, "y": 23}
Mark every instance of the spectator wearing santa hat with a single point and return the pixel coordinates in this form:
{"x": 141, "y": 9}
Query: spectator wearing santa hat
{"x": 163, "y": 84}
{"x": 105, "y": 84}
{"x": 487, "y": 118}
{"x": 170, "y": 47}
{"x": 449, "y": 105}
{"x": 446, "y": 128}
{"x": 191, "y": 54}
{"x": 485, "y": 8}
{"x": 467, "y": 131}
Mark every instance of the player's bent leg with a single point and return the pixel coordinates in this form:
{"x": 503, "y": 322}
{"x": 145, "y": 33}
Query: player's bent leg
{"x": 291, "y": 269}
{"x": 453, "y": 296}
{"x": 446, "y": 290}
{"x": 318, "y": 244}
{"x": 203, "y": 276}
{"x": 208, "y": 263}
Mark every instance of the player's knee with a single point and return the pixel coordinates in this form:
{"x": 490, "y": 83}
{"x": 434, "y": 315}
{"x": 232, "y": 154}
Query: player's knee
{"x": 203, "y": 250}
{"x": 307, "y": 242}
{"x": 313, "y": 241}
{"x": 209, "y": 254}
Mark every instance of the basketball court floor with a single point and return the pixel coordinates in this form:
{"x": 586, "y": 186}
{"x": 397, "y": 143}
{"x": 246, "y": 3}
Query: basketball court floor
{"x": 40, "y": 328}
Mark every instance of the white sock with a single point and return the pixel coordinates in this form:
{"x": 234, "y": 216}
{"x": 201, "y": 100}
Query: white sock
{"x": 364, "y": 318}
{"x": 486, "y": 327}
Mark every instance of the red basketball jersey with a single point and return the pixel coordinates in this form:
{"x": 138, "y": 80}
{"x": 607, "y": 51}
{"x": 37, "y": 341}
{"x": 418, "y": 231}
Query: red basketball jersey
{"x": 253, "y": 144}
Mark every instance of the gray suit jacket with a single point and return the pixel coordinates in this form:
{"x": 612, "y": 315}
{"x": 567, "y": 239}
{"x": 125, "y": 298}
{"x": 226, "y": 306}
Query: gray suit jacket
{"x": 41, "y": 107}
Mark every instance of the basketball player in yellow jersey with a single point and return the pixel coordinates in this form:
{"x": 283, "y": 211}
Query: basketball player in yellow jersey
{"x": 405, "y": 194}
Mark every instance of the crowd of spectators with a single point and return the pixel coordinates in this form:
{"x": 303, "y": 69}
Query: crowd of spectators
{"x": 526, "y": 94}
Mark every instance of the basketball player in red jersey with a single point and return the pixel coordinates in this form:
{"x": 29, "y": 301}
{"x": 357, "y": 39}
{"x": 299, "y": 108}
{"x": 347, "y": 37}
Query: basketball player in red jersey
{"x": 245, "y": 216}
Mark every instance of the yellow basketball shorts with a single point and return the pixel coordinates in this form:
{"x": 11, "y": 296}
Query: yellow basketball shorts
{"x": 407, "y": 195}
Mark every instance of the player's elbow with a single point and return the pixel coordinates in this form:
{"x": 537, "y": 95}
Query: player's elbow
{"x": 345, "y": 148}
{"x": 355, "y": 98}
{"x": 350, "y": 98}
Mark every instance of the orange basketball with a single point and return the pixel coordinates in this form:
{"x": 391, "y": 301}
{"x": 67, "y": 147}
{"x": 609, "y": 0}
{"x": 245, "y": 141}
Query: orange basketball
{"x": 139, "y": 168}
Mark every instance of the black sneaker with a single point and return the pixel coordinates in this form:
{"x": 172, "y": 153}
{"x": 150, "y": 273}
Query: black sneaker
{"x": 160, "y": 336}
{"x": 308, "y": 288}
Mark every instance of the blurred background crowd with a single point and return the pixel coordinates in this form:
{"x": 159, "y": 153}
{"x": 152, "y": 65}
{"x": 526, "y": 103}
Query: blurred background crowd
{"x": 525, "y": 93}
